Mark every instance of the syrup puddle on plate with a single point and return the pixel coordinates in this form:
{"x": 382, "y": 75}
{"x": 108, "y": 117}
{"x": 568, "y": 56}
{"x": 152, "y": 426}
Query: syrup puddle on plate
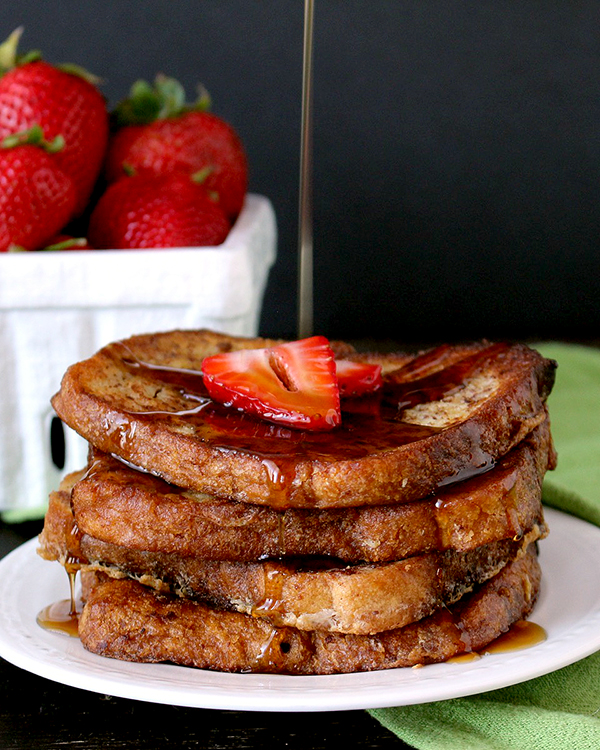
{"x": 61, "y": 617}
{"x": 523, "y": 634}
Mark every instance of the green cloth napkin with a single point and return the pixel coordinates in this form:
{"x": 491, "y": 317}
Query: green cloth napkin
{"x": 562, "y": 709}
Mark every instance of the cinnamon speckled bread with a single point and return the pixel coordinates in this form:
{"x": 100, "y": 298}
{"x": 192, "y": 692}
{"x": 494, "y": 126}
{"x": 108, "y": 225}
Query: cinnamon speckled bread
{"x": 443, "y": 416}
{"x": 124, "y": 620}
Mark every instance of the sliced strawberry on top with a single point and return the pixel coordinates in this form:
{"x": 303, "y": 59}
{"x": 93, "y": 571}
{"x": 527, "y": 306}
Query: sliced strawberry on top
{"x": 358, "y": 378}
{"x": 293, "y": 384}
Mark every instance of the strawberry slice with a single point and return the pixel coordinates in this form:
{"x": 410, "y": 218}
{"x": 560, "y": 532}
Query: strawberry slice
{"x": 357, "y": 378}
{"x": 293, "y": 384}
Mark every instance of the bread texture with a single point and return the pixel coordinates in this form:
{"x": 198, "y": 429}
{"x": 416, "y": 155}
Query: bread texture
{"x": 116, "y": 504}
{"x": 305, "y": 593}
{"x": 450, "y": 414}
{"x": 125, "y": 620}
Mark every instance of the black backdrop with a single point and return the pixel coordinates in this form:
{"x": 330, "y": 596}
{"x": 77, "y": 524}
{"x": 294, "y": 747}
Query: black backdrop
{"x": 456, "y": 147}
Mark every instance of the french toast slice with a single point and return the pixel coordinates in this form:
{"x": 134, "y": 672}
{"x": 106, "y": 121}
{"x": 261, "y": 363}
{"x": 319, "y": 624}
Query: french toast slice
{"x": 125, "y": 620}
{"x": 442, "y": 416}
{"x": 306, "y": 593}
{"x": 116, "y": 504}
{"x": 363, "y": 598}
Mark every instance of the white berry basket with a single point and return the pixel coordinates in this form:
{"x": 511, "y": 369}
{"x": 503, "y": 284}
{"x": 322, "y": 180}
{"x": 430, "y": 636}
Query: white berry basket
{"x": 57, "y": 308}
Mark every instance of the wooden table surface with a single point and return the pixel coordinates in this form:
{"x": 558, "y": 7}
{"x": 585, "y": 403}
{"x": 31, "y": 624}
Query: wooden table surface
{"x": 41, "y": 714}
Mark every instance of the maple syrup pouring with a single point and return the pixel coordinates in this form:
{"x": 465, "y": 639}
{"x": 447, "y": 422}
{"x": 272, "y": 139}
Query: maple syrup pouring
{"x": 272, "y": 600}
{"x": 305, "y": 237}
{"x": 63, "y": 616}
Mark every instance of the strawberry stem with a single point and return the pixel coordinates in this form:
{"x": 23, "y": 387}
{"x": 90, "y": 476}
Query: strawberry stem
{"x": 9, "y": 58}
{"x": 33, "y": 137}
{"x": 78, "y": 70}
{"x": 171, "y": 96}
{"x": 8, "y": 51}
{"x": 203, "y": 103}
{"x": 68, "y": 244}
{"x": 166, "y": 98}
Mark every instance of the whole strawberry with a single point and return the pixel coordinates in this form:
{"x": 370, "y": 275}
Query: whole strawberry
{"x": 157, "y": 211}
{"x": 36, "y": 196}
{"x": 158, "y": 133}
{"x": 64, "y": 102}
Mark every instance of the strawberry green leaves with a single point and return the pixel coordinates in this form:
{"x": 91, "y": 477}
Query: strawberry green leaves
{"x": 166, "y": 98}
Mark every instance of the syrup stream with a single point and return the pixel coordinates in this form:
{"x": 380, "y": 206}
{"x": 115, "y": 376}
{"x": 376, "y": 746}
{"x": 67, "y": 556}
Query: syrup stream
{"x": 305, "y": 239}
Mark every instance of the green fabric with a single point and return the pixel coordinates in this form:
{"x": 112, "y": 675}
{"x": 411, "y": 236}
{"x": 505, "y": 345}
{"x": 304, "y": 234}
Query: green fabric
{"x": 22, "y": 515}
{"x": 562, "y": 709}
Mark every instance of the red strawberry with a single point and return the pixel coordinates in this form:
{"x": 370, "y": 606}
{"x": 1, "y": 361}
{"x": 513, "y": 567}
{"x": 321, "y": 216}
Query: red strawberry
{"x": 159, "y": 211}
{"x": 357, "y": 378}
{"x": 293, "y": 384}
{"x": 159, "y": 134}
{"x": 36, "y": 196}
{"x": 62, "y": 102}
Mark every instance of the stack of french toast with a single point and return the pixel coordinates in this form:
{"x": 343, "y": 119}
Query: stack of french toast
{"x": 397, "y": 525}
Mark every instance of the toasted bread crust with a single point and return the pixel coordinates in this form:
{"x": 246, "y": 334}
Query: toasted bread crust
{"x": 121, "y": 411}
{"x": 360, "y": 598}
{"x": 308, "y": 593}
{"x": 124, "y": 620}
{"x": 116, "y": 504}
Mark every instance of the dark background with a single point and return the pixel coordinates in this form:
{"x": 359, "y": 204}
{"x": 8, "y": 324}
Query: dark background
{"x": 456, "y": 147}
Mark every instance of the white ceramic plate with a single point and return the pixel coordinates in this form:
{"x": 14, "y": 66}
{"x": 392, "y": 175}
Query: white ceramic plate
{"x": 569, "y": 613}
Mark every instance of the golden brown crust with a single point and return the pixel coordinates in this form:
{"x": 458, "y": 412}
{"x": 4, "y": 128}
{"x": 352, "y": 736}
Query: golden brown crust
{"x": 57, "y": 537}
{"x": 122, "y": 410}
{"x": 306, "y": 593}
{"x": 318, "y": 595}
{"x": 117, "y": 504}
{"x": 125, "y": 620}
